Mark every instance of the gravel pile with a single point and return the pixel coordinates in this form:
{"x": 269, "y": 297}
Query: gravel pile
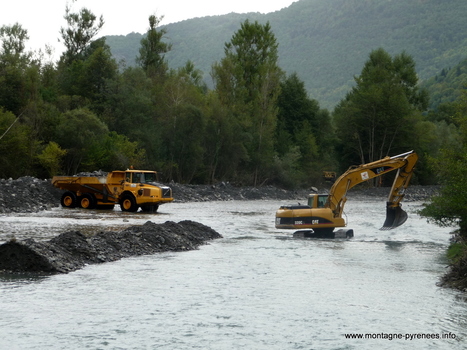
{"x": 27, "y": 195}
{"x": 72, "y": 250}
{"x": 224, "y": 191}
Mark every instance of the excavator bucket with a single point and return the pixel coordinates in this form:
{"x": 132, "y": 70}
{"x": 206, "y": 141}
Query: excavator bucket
{"x": 395, "y": 217}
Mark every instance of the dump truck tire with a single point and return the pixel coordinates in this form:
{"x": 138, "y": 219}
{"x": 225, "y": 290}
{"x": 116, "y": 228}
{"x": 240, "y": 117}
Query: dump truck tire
{"x": 128, "y": 203}
{"x": 87, "y": 201}
{"x": 69, "y": 200}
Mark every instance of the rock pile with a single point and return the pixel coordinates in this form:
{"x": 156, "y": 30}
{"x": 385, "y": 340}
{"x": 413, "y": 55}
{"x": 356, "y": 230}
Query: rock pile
{"x": 27, "y": 195}
{"x": 413, "y": 193}
{"x": 72, "y": 250}
{"x": 225, "y": 191}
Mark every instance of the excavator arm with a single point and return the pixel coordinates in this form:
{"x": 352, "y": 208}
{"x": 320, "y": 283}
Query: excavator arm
{"x": 405, "y": 163}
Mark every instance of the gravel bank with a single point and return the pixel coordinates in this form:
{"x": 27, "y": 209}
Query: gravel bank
{"x": 72, "y": 250}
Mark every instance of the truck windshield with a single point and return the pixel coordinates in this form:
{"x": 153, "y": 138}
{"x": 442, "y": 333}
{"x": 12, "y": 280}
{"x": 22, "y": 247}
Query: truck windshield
{"x": 138, "y": 178}
{"x": 142, "y": 177}
{"x": 150, "y": 177}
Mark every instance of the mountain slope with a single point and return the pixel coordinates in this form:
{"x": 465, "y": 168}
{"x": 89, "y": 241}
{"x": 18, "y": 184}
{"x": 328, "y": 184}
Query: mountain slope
{"x": 328, "y": 41}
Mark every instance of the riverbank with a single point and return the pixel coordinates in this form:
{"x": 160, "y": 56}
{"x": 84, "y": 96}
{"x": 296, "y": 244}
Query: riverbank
{"x": 28, "y": 194}
{"x": 456, "y": 277}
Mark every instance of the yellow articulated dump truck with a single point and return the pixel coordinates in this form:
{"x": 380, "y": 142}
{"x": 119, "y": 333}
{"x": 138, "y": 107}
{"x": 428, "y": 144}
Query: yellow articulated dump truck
{"x": 131, "y": 189}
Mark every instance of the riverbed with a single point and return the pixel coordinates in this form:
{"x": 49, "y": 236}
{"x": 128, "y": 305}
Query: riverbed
{"x": 256, "y": 288}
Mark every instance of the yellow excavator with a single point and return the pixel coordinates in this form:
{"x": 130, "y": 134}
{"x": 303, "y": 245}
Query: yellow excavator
{"x": 324, "y": 211}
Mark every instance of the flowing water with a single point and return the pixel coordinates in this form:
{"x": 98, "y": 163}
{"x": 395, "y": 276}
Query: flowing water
{"x": 256, "y": 288}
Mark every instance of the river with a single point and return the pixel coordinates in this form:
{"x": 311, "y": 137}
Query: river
{"x": 256, "y": 288}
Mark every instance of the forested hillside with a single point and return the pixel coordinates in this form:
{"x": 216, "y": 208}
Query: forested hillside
{"x": 446, "y": 86}
{"x": 327, "y": 41}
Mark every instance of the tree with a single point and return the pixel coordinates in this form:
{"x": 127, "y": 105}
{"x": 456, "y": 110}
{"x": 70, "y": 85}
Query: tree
{"x": 14, "y": 61}
{"x": 248, "y": 82}
{"x": 377, "y": 116}
{"x": 151, "y": 53}
{"x": 77, "y": 131}
{"x": 113, "y": 151}
{"x": 82, "y": 28}
{"x": 13, "y": 46}
{"x": 129, "y": 107}
{"x": 86, "y": 64}
{"x": 14, "y": 146}
{"x": 449, "y": 208}
{"x": 302, "y": 123}
{"x": 98, "y": 69}
{"x": 223, "y": 142}
{"x": 51, "y": 158}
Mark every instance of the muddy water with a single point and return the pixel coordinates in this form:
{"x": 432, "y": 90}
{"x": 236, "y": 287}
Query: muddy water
{"x": 257, "y": 288}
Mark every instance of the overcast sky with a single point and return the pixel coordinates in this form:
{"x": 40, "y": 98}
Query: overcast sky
{"x": 43, "y": 19}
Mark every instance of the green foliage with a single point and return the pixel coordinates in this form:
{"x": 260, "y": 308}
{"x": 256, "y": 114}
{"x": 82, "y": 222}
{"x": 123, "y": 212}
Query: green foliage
{"x": 113, "y": 151}
{"x": 152, "y": 50}
{"x": 449, "y": 208}
{"x": 446, "y": 86}
{"x": 376, "y": 118}
{"x": 13, "y": 46}
{"x": 51, "y": 157}
{"x": 82, "y": 28}
{"x": 14, "y": 61}
{"x": 286, "y": 168}
{"x": 456, "y": 252}
{"x": 14, "y": 142}
{"x": 224, "y": 142}
{"x": 247, "y": 81}
{"x": 303, "y": 126}
{"x": 129, "y": 105}
{"x": 76, "y": 132}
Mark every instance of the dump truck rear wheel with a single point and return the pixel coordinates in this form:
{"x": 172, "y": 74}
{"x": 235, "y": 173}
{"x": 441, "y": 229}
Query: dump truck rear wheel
{"x": 69, "y": 200}
{"x": 128, "y": 203}
{"x": 87, "y": 201}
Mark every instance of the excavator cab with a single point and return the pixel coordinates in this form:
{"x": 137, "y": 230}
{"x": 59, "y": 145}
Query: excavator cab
{"x": 317, "y": 200}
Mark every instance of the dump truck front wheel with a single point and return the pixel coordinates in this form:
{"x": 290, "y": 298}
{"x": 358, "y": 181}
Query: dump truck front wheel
{"x": 128, "y": 203}
{"x": 69, "y": 200}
